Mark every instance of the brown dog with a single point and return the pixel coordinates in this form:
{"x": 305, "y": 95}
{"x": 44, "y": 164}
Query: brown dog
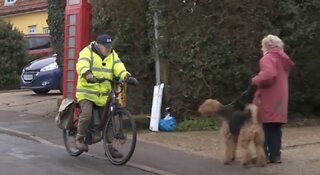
{"x": 237, "y": 126}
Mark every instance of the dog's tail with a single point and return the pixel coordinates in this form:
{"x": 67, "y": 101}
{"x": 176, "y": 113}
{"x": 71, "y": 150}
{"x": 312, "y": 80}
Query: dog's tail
{"x": 253, "y": 111}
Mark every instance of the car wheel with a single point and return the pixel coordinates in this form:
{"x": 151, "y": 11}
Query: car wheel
{"x": 41, "y": 91}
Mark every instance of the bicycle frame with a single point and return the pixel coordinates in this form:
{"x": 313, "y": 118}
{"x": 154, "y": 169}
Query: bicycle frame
{"x": 111, "y": 105}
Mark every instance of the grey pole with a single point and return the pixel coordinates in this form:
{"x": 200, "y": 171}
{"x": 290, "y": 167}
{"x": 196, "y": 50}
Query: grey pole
{"x": 156, "y": 36}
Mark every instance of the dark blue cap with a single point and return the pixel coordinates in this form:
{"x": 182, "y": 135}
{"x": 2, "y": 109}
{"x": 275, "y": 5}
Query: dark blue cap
{"x": 104, "y": 40}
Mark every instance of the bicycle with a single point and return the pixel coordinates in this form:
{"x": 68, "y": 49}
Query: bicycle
{"x": 117, "y": 125}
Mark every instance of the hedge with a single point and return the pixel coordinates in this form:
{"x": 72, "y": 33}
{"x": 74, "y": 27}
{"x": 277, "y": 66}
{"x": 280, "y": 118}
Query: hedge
{"x": 210, "y": 49}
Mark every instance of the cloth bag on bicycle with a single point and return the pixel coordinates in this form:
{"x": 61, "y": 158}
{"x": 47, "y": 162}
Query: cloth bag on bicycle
{"x": 64, "y": 118}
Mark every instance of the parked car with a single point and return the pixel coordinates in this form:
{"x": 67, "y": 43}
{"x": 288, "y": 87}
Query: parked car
{"x": 42, "y": 75}
{"x": 38, "y": 44}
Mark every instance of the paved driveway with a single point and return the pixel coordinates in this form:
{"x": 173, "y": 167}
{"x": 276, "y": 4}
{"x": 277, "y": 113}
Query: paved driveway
{"x": 26, "y": 101}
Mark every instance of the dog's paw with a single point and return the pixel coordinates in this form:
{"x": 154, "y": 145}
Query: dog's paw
{"x": 254, "y": 160}
{"x": 261, "y": 163}
{"x": 226, "y": 162}
{"x": 244, "y": 164}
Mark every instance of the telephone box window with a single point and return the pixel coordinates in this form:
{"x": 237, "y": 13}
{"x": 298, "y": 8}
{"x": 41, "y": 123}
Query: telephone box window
{"x": 70, "y": 75}
{"x": 71, "y": 42}
{"x": 72, "y": 30}
{"x": 70, "y": 64}
{"x": 9, "y": 2}
{"x": 73, "y": 2}
{"x": 72, "y": 19}
{"x": 69, "y": 86}
{"x": 70, "y": 53}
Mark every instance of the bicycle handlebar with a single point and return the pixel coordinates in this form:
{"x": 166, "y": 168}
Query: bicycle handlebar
{"x": 113, "y": 81}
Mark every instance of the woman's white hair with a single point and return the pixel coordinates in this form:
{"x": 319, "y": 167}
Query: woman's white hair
{"x": 272, "y": 41}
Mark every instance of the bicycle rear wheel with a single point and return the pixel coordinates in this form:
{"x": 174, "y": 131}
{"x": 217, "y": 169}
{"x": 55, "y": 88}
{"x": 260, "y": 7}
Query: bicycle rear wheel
{"x": 69, "y": 139}
{"x": 120, "y": 134}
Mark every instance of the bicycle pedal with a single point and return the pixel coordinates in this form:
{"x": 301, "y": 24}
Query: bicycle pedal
{"x": 120, "y": 136}
{"x": 96, "y": 139}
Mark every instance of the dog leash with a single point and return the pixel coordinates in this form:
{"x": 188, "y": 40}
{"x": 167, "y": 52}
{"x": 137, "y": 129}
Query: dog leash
{"x": 239, "y": 97}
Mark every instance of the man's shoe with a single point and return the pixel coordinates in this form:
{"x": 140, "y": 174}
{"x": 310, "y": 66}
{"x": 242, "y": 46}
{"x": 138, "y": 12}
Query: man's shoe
{"x": 81, "y": 145}
{"x": 115, "y": 153}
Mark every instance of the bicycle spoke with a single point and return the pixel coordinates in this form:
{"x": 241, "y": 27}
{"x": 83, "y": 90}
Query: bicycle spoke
{"x": 120, "y": 134}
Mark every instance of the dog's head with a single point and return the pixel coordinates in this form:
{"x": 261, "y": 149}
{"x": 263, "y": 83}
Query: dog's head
{"x": 209, "y": 107}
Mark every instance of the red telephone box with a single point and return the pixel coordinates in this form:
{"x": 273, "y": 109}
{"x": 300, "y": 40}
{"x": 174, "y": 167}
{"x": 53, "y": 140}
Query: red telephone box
{"x": 76, "y": 36}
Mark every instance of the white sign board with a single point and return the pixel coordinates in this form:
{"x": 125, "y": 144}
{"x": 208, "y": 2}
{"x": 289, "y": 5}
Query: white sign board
{"x": 156, "y": 107}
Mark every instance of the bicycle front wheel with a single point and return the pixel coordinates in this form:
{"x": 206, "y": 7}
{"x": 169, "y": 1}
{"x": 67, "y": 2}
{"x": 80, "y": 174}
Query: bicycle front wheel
{"x": 119, "y": 137}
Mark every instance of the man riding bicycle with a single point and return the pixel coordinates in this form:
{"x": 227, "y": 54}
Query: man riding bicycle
{"x": 97, "y": 60}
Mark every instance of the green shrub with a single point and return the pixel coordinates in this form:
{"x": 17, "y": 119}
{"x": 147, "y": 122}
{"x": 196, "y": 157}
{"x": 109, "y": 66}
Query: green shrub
{"x": 12, "y": 55}
{"x": 197, "y": 124}
{"x": 56, "y": 26}
{"x": 211, "y": 48}
{"x": 126, "y": 22}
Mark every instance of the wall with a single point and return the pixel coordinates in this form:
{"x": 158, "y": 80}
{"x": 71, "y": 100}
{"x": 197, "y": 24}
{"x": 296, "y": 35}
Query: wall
{"x": 22, "y": 21}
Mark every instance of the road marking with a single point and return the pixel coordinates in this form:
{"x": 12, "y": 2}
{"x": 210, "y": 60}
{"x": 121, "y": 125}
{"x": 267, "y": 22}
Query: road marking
{"x": 301, "y": 144}
{"x": 23, "y": 135}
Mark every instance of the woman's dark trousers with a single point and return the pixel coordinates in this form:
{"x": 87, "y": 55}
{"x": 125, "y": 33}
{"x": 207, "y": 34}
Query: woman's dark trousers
{"x": 272, "y": 144}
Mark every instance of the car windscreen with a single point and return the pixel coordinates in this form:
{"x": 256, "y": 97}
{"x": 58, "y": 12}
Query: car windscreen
{"x": 33, "y": 43}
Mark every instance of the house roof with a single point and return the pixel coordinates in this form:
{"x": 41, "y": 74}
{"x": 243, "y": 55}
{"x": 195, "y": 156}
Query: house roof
{"x": 21, "y": 6}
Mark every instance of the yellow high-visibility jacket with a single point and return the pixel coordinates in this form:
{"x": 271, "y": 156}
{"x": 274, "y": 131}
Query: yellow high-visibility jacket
{"x": 107, "y": 67}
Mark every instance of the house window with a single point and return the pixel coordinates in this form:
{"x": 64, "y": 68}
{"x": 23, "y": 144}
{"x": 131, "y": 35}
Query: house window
{"x": 9, "y": 2}
{"x": 32, "y": 29}
{"x": 46, "y": 30}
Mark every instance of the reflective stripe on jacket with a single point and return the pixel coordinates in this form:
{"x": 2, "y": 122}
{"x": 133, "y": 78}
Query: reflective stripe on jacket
{"x": 101, "y": 68}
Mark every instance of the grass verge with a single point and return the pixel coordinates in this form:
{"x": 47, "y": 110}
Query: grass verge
{"x": 197, "y": 124}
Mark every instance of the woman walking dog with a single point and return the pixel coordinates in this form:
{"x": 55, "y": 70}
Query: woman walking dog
{"x": 271, "y": 95}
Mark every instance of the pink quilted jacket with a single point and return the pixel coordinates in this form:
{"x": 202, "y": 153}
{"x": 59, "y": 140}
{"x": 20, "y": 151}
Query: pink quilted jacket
{"x": 271, "y": 95}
